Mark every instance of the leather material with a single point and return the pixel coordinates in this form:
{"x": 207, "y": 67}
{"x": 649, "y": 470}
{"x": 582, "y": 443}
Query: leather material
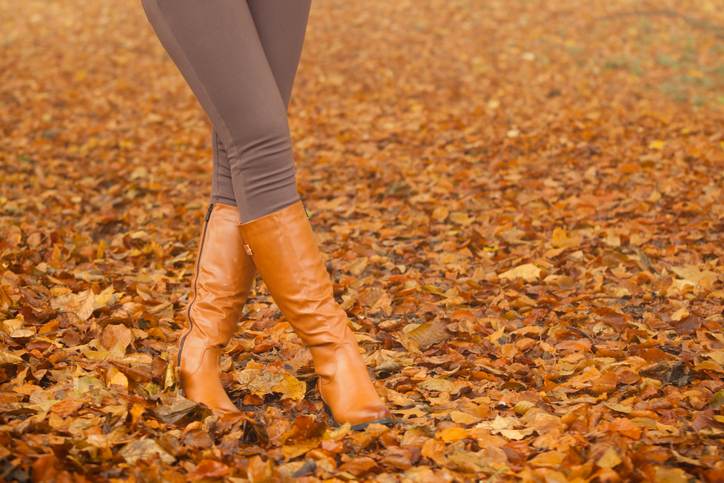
{"x": 287, "y": 256}
{"x": 222, "y": 279}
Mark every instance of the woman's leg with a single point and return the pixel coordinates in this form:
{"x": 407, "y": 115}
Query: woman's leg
{"x": 223, "y": 273}
{"x": 281, "y": 25}
{"x": 216, "y": 47}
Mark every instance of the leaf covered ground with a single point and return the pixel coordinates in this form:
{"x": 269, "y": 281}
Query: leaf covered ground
{"x": 521, "y": 204}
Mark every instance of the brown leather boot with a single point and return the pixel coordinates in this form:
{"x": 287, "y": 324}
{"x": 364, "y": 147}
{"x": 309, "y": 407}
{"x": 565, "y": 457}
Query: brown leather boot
{"x": 285, "y": 252}
{"x": 222, "y": 279}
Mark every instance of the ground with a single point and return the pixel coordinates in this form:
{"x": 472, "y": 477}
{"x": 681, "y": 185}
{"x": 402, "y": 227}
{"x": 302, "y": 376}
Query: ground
{"x": 520, "y": 202}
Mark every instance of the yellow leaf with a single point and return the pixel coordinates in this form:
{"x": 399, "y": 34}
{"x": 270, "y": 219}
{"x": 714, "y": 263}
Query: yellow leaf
{"x": 81, "y": 304}
{"x": 136, "y": 411}
{"x": 434, "y": 450}
{"x": 10, "y": 358}
{"x": 23, "y": 333}
{"x": 561, "y": 239}
{"x": 551, "y": 459}
{"x": 717, "y": 355}
{"x": 502, "y": 422}
{"x": 116, "y": 338}
{"x": 670, "y": 475}
{"x": 528, "y": 272}
{"x": 516, "y": 434}
{"x": 694, "y": 276}
{"x": 101, "y": 250}
{"x": 657, "y": 144}
{"x": 80, "y": 75}
{"x": 463, "y": 418}
{"x": 680, "y": 314}
{"x": 440, "y": 384}
{"x": 709, "y": 366}
{"x": 609, "y": 459}
{"x": 105, "y": 298}
{"x": 294, "y": 450}
{"x": 290, "y": 387}
{"x": 261, "y": 381}
{"x": 10, "y": 325}
{"x": 452, "y": 434}
{"x": 461, "y": 218}
{"x": 495, "y": 336}
{"x": 522, "y": 407}
{"x": 621, "y": 408}
{"x": 359, "y": 266}
{"x": 440, "y": 213}
{"x": 114, "y": 377}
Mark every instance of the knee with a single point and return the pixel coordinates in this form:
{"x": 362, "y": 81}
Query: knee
{"x": 267, "y": 131}
{"x": 266, "y": 144}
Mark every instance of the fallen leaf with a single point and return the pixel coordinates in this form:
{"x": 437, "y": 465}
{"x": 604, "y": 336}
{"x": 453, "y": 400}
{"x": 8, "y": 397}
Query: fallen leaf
{"x": 142, "y": 449}
{"x": 428, "y": 334}
{"x": 609, "y": 459}
{"x": 528, "y": 272}
{"x": 81, "y": 304}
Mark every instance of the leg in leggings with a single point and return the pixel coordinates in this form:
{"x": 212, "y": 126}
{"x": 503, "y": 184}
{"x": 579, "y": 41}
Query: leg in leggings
{"x": 281, "y": 25}
{"x": 217, "y": 47}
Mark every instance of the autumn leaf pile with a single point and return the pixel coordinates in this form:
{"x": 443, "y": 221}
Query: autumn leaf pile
{"x": 521, "y": 206}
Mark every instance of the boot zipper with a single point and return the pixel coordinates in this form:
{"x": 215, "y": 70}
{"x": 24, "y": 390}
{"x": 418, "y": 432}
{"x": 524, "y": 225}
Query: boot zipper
{"x": 306, "y": 211}
{"x": 196, "y": 277}
{"x": 208, "y": 212}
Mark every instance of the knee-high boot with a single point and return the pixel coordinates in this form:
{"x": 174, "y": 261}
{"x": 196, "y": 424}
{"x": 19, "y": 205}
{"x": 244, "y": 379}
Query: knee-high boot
{"x": 221, "y": 282}
{"x": 287, "y": 256}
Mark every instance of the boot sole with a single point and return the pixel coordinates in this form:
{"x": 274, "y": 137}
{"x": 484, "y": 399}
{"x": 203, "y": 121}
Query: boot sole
{"x": 360, "y": 426}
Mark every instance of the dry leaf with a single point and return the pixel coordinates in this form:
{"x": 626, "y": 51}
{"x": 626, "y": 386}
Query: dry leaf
{"x": 609, "y": 459}
{"x": 528, "y": 272}
{"x": 143, "y": 449}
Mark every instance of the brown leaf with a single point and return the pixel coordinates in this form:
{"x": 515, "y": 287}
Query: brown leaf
{"x": 259, "y": 471}
{"x": 209, "y": 469}
{"x": 625, "y": 427}
{"x": 142, "y": 449}
{"x": 358, "y": 466}
{"x": 176, "y": 411}
{"x": 427, "y": 334}
{"x": 606, "y": 382}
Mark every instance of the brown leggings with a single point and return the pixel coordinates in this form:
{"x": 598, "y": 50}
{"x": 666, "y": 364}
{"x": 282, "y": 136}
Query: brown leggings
{"x": 240, "y": 58}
